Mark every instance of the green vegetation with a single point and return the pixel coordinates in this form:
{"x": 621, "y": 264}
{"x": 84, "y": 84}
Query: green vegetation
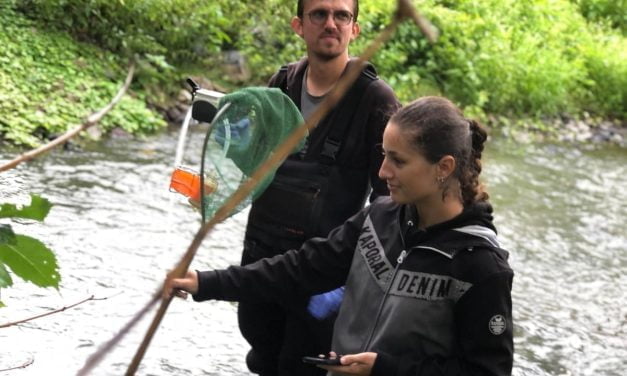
{"x": 514, "y": 59}
{"x": 27, "y": 257}
{"x": 613, "y": 13}
{"x": 50, "y": 83}
{"x": 189, "y": 35}
{"x": 510, "y": 57}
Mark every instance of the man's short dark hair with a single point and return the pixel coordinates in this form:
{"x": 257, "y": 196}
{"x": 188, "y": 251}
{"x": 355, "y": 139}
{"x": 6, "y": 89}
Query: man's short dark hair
{"x": 301, "y": 6}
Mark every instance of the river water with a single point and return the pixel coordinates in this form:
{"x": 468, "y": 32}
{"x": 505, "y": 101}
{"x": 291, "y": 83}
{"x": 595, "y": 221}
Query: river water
{"x": 116, "y": 230}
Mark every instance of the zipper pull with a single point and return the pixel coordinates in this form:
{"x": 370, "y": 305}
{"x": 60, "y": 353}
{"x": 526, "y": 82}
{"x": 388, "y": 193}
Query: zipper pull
{"x": 401, "y": 257}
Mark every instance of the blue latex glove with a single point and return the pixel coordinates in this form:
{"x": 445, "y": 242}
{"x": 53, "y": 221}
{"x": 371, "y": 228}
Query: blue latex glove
{"x": 240, "y": 133}
{"x": 323, "y": 305}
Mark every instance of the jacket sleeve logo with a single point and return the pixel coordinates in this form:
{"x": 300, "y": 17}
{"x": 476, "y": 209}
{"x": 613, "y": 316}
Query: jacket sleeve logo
{"x": 373, "y": 254}
{"x": 497, "y": 325}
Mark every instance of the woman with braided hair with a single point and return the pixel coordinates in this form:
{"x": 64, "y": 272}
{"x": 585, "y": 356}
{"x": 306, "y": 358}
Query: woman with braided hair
{"x": 428, "y": 289}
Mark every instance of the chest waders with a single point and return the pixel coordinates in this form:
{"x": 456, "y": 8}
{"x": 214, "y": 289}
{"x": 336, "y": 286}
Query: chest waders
{"x": 310, "y": 196}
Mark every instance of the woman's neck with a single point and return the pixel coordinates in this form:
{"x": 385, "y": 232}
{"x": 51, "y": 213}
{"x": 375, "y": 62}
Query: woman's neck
{"x": 431, "y": 212}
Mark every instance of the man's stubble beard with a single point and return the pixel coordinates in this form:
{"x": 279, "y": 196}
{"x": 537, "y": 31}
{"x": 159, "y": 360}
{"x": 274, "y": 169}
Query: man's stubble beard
{"x": 324, "y": 56}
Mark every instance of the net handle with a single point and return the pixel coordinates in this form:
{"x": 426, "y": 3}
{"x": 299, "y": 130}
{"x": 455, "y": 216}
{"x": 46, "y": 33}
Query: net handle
{"x": 180, "y": 146}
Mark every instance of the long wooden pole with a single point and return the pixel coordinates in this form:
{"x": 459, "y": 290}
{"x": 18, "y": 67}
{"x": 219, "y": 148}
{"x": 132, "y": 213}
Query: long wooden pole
{"x": 91, "y": 120}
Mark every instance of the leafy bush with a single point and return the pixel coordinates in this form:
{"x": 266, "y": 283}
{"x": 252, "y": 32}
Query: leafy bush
{"x": 508, "y": 57}
{"x": 177, "y": 38}
{"x": 49, "y": 83}
{"x": 184, "y": 31}
{"x": 606, "y": 63}
{"x": 612, "y": 12}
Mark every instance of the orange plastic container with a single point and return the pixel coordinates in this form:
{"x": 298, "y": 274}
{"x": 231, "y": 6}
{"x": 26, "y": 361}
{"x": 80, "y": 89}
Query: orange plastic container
{"x": 187, "y": 182}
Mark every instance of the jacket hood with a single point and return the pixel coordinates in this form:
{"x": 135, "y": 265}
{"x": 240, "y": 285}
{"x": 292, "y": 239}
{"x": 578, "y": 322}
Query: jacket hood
{"x": 473, "y": 227}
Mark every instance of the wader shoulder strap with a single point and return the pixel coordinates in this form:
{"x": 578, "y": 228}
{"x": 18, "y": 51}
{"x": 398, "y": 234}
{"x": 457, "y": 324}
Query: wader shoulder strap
{"x": 281, "y": 79}
{"x": 342, "y": 119}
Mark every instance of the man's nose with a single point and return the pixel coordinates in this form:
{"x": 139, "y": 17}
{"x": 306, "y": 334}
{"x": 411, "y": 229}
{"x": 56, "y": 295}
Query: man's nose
{"x": 330, "y": 21}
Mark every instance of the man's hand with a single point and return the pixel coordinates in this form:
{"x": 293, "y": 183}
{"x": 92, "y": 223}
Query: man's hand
{"x": 357, "y": 364}
{"x": 181, "y": 286}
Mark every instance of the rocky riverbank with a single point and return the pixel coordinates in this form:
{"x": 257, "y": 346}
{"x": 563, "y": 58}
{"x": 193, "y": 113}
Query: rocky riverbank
{"x": 567, "y": 130}
{"x": 614, "y": 132}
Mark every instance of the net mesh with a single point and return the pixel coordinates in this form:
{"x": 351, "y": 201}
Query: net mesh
{"x": 250, "y": 124}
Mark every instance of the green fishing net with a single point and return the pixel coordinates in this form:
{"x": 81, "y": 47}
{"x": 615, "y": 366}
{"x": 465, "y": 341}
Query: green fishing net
{"x": 249, "y": 125}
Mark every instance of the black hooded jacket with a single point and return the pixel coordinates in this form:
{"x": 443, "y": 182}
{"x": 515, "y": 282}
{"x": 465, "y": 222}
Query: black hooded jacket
{"x": 428, "y": 302}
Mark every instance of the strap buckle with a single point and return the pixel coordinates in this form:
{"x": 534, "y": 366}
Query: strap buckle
{"x": 330, "y": 148}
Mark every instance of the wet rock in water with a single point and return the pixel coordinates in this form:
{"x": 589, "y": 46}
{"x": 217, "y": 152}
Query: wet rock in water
{"x": 176, "y": 114}
{"x": 118, "y": 132}
{"x": 69, "y": 145}
{"x": 94, "y": 132}
{"x": 604, "y": 135}
{"x": 592, "y": 131}
{"x": 608, "y": 132}
{"x": 185, "y": 96}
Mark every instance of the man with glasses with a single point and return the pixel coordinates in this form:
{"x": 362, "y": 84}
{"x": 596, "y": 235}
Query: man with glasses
{"x": 316, "y": 189}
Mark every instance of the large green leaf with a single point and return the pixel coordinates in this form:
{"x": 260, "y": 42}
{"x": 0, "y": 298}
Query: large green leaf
{"x": 32, "y": 261}
{"x": 37, "y": 210}
{"x": 7, "y": 236}
{"x": 5, "y": 277}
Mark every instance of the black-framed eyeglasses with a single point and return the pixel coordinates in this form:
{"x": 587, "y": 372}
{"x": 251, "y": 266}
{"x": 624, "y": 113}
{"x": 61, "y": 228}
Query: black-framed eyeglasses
{"x": 320, "y": 16}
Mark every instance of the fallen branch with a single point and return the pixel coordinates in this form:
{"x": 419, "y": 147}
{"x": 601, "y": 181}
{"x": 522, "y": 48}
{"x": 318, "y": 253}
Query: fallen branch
{"x": 26, "y": 364}
{"x": 91, "y": 120}
{"x": 49, "y": 313}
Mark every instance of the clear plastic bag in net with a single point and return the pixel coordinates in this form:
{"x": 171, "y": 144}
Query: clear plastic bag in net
{"x": 248, "y": 127}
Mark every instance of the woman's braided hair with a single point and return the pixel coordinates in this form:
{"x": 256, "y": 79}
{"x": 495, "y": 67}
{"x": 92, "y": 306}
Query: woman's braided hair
{"x": 438, "y": 129}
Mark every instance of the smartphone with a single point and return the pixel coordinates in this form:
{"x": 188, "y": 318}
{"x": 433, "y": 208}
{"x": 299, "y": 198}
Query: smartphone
{"x": 323, "y": 361}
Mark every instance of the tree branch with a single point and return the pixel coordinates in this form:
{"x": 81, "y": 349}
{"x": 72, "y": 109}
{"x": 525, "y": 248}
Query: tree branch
{"x": 91, "y": 120}
{"x": 405, "y": 9}
{"x": 26, "y": 364}
{"x": 49, "y": 313}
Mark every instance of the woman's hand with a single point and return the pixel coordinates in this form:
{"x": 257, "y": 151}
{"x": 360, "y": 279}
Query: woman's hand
{"x": 181, "y": 286}
{"x": 356, "y": 364}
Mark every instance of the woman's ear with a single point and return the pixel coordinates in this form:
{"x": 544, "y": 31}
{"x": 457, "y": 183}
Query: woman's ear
{"x": 446, "y": 166}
